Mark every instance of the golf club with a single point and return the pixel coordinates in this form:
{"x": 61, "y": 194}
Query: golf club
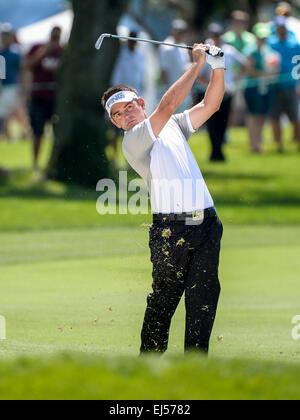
{"x": 103, "y": 36}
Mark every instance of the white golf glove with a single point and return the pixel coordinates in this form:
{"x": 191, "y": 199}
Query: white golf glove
{"x": 214, "y": 60}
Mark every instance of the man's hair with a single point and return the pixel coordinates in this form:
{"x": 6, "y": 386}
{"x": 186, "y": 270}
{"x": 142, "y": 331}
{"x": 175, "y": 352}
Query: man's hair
{"x": 240, "y": 16}
{"x": 115, "y": 89}
{"x": 284, "y": 9}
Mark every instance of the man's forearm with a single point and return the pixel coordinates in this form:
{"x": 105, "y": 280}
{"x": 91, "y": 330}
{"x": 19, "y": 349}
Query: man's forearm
{"x": 215, "y": 92}
{"x": 179, "y": 91}
{"x": 202, "y": 112}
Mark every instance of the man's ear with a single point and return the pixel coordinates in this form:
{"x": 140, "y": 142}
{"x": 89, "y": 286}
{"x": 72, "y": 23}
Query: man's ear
{"x": 142, "y": 103}
{"x": 114, "y": 123}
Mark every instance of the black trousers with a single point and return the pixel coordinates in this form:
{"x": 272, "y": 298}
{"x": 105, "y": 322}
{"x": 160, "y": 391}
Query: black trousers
{"x": 217, "y": 126}
{"x": 185, "y": 260}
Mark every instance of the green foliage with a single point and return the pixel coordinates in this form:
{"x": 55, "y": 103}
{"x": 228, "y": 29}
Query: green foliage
{"x": 198, "y": 13}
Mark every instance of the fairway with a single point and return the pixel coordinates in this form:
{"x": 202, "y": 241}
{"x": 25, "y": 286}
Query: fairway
{"x": 85, "y": 290}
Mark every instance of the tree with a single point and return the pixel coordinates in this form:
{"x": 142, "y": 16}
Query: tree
{"x": 206, "y": 9}
{"x": 198, "y": 13}
{"x": 80, "y": 133}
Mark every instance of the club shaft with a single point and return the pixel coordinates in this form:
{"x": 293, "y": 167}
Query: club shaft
{"x": 150, "y": 41}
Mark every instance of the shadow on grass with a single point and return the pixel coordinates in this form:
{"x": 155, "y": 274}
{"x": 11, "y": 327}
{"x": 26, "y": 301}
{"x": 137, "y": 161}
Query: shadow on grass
{"x": 259, "y": 199}
{"x": 34, "y": 185}
{"x": 212, "y": 176}
{"x": 24, "y": 184}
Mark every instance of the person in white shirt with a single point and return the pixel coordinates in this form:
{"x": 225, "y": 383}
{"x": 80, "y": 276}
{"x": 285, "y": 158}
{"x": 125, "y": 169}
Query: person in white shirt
{"x": 175, "y": 61}
{"x": 130, "y": 66}
{"x": 129, "y": 70}
{"x": 185, "y": 239}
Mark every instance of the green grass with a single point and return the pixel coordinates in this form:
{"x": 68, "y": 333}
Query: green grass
{"x": 85, "y": 291}
{"x": 84, "y": 378}
{"x": 74, "y": 287}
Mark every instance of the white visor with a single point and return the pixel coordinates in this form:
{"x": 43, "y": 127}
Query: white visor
{"x": 124, "y": 96}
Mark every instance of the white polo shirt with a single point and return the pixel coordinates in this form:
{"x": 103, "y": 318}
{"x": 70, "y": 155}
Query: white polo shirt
{"x": 168, "y": 166}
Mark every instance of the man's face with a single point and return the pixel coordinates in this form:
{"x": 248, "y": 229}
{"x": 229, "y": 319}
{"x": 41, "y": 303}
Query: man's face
{"x": 261, "y": 41}
{"x": 6, "y": 40}
{"x": 239, "y": 26}
{"x": 179, "y": 35}
{"x": 282, "y": 32}
{"x": 127, "y": 115}
{"x": 217, "y": 39}
{"x": 55, "y": 35}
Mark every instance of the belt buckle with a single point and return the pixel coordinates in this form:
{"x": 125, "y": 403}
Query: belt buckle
{"x": 198, "y": 216}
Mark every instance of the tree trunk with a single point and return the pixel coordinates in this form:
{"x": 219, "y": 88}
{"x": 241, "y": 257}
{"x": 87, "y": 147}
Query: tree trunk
{"x": 80, "y": 132}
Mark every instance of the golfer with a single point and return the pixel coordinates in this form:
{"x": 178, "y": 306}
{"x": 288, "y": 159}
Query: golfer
{"x": 185, "y": 238}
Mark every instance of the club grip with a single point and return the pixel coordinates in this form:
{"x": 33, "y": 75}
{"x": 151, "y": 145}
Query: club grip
{"x": 220, "y": 54}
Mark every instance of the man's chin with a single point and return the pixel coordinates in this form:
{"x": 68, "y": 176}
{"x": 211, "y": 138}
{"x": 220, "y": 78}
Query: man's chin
{"x": 131, "y": 125}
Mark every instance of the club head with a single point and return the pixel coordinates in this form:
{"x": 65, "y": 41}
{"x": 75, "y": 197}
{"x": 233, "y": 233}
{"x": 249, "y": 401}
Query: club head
{"x": 100, "y": 41}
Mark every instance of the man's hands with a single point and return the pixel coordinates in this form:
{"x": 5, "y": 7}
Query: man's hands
{"x": 200, "y": 56}
{"x": 214, "y": 60}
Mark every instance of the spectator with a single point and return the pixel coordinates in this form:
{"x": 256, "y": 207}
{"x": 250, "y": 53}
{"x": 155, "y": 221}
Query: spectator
{"x": 129, "y": 70}
{"x": 44, "y": 62}
{"x": 285, "y": 87}
{"x": 174, "y": 62}
{"x": 238, "y": 36}
{"x": 9, "y": 96}
{"x": 130, "y": 66}
{"x": 218, "y": 124}
{"x": 263, "y": 63}
{"x": 20, "y": 114}
{"x": 292, "y": 23}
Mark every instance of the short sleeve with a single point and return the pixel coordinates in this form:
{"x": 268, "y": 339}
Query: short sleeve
{"x": 185, "y": 124}
{"x": 139, "y": 141}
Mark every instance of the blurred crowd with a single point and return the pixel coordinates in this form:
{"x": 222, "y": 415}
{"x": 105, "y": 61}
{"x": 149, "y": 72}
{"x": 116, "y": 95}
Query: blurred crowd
{"x": 262, "y": 78}
{"x": 28, "y": 92}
